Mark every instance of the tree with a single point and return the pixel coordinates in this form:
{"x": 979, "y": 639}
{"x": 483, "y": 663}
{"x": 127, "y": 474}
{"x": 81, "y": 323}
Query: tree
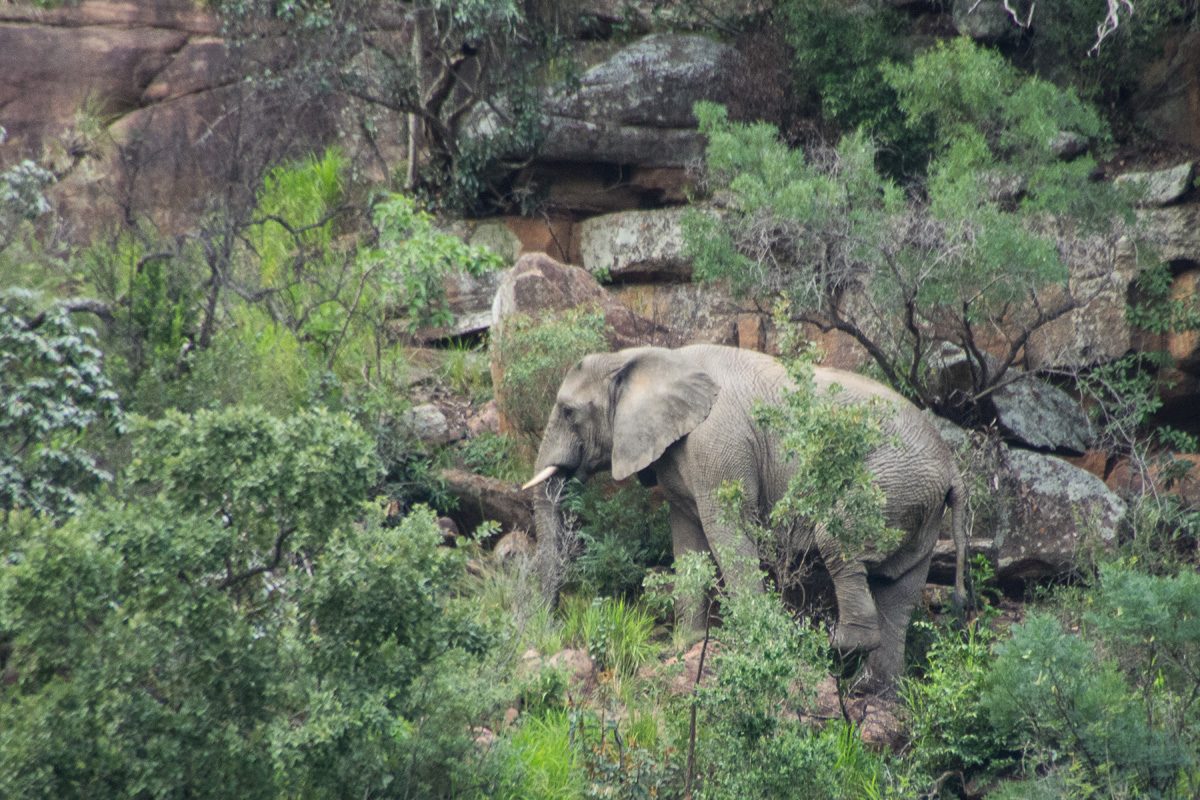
{"x": 976, "y": 254}
{"x": 438, "y": 62}
{"x": 238, "y": 615}
{"x": 54, "y": 392}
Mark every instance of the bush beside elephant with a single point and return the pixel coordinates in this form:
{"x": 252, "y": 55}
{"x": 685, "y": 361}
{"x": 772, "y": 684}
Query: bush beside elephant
{"x": 684, "y": 419}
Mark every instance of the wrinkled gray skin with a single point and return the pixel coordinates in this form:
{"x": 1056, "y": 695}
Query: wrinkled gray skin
{"x": 683, "y": 418}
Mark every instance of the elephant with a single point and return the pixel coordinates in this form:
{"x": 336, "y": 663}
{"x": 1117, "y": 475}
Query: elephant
{"x": 684, "y": 419}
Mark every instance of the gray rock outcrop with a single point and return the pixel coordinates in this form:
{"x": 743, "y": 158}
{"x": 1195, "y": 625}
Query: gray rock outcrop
{"x": 1160, "y": 187}
{"x": 636, "y": 107}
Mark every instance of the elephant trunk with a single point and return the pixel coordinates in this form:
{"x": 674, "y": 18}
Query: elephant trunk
{"x": 556, "y": 539}
{"x": 558, "y": 459}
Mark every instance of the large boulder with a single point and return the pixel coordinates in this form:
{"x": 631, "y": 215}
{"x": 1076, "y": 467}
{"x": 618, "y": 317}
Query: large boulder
{"x": 635, "y": 246}
{"x": 1159, "y": 187}
{"x": 1052, "y": 510}
{"x": 1032, "y": 514}
{"x": 984, "y": 21}
{"x": 636, "y": 107}
{"x": 538, "y": 284}
{"x": 1028, "y": 410}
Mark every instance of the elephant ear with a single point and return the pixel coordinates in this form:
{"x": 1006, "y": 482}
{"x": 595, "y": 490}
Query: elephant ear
{"x": 660, "y": 398}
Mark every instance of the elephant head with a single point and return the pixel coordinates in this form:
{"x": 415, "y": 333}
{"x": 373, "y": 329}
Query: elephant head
{"x": 615, "y": 411}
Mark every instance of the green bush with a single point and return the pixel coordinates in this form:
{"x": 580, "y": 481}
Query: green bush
{"x": 1051, "y": 695}
{"x": 494, "y": 455}
{"x": 534, "y": 354}
{"x": 948, "y": 723}
{"x": 623, "y": 535}
{"x": 964, "y": 251}
{"x": 239, "y": 617}
{"x": 54, "y": 391}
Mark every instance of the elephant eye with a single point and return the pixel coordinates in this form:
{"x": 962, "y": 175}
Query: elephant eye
{"x": 568, "y": 413}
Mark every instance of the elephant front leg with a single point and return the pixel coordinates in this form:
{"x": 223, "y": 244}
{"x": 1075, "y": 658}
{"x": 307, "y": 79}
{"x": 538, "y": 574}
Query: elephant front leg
{"x": 691, "y": 608}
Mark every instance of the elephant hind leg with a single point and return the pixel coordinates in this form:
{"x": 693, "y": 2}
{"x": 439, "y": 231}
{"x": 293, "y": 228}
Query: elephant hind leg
{"x": 857, "y": 630}
{"x": 895, "y": 599}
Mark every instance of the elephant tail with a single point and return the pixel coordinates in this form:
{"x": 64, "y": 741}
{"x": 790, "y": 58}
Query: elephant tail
{"x": 956, "y": 498}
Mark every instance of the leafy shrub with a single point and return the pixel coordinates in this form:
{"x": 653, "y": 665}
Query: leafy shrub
{"x": 54, "y": 391}
{"x": 1052, "y": 695}
{"x": 939, "y": 264}
{"x": 494, "y": 455}
{"x": 838, "y": 56}
{"x": 947, "y": 720}
{"x": 534, "y": 354}
{"x": 241, "y": 619}
{"x": 623, "y": 535}
{"x": 1063, "y": 45}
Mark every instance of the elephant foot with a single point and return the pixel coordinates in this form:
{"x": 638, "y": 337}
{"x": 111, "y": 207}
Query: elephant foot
{"x": 849, "y": 639}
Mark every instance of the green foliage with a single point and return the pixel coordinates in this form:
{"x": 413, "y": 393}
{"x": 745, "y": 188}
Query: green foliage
{"x": 543, "y": 765}
{"x": 1063, "y": 45}
{"x": 839, "y": 53}
{"x": 947, "y": 720}
{"x": 615, "y": 633}
{"x": 624, "y": 760}
{"x": 749, "y": 742}
{"x": 53, "y": 391}
{"x": 274, "y": 483}
{"x": 494, "y": 455}
{"x": 623, "y": 534}
{"x": 1065, "y": 704}
{"x": 235, "y": 622}
{"x": 413, "y": 259}
{"x": 990, "y": 125}
{"x": 534, "y": 354}
{"x": 827, "y": 441}
{"x": 941, "y": 262}
{"x": 1151, "y": 626}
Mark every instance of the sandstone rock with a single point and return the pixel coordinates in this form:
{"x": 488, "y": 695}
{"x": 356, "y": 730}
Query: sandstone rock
{"x": 1130, "y": 483}
{"x": 1067, "y": 144}
{"x": 685, "y": 313}
{"x": 578, "y": 665}
{"x": 1052, "y": 509}
{"x": 485, "y": 419}
{"x": 1030, "y": 512}
{"x": 636, "y": 107}
{"x": 984, "y": 21}
{"x": 51, "y": 73}
{"x": 1098, "y": 331}
{"x": 539, "y": 284}
{"x": 510, "y": 715}
{"x": 1173, "y": 231}
{"x": 752, "y": 332}
{"x": 1160, "y": 187}
{"x": 1030, "y": 411}
{"x": 1167, "y": 104}
{"x": 201, "y": 64}
{"x": 514, "y": 544}
{"x": 183, "y": 15}
{"x": 874, "y": 717}
{"x": 481, "y": 498}
{"x": 429, "y": 424}
{"x": 470, "y": 300}
{"x": 635, "y": 246}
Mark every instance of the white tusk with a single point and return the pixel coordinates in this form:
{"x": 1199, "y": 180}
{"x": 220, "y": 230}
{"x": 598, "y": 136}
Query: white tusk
{"x": 541, "y": 476}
